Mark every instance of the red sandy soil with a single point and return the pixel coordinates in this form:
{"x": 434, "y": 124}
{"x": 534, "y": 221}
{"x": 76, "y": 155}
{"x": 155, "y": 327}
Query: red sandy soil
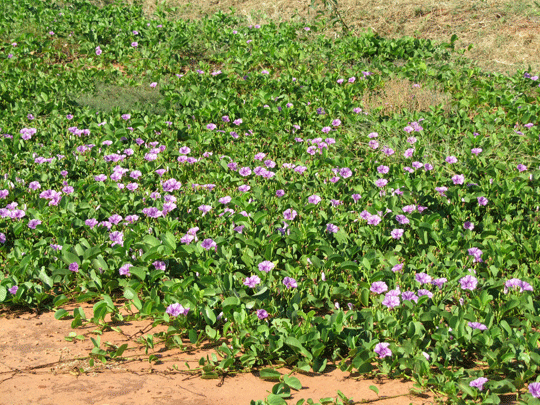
{"x": 38, "y": 366}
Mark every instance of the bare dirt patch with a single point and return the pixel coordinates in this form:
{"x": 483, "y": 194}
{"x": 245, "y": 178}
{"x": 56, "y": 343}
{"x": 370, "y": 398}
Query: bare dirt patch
{"x": 38, "y": 365}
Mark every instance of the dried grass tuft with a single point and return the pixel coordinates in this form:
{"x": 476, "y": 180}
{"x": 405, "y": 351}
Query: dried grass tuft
{"x": 398, "y": 95}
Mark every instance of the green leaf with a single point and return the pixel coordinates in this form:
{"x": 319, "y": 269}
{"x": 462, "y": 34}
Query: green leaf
{"x": 295, "y": 344}
{"x": 292, "y": 382}
{"x": 273, "y": 399}
{"x": 230, "y": 302}
{"x": 120, "y": 350}
{"x": 193, "y": 337}
{"x": 269, "y": 374}
{"x": 374, "y": 389}
{"x": 43, "y": 276}
{"x": 3, "y": 293}
{"x": 129, "y": 293}
{"x": 60, "y": 313}
{"x": 139, "y": 272}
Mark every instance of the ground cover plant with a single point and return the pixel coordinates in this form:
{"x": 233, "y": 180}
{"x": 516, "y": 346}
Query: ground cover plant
{"x": 297, "y": 199}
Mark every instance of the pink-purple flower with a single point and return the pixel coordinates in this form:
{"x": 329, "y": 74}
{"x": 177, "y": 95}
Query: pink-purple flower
{"x": 478, "y": 383}
{"x": 382, "y": 349}
{"x": 468, "y": 282}
{"x": 378, "y": 287}
{"x": 289, "y": 214}
{"x": 176, "y": 310}
{"x": 534, "y": 389}
{"x": 252, "y": 281}
{"x": 331, "y": 228}
{"x": 124, "y": 270}
{"x": 266, "y": 266}
{"x": 290, "y": 282}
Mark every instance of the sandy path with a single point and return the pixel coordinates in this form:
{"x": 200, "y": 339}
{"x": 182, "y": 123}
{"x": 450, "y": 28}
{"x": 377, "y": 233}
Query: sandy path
{"x": 38, "y": 366}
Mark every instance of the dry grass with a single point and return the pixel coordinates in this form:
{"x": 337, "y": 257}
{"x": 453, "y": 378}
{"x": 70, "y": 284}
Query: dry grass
{"x": 505, "y": 33}
{"x": 397, "y": 95}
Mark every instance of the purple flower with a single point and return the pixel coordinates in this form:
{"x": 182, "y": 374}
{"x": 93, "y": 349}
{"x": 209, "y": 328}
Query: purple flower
{"x": 205, "y": 209}
{"x": 124, "y": 270}
{"x": 244, "y": 171}
{"x": 314, "y": 199}
{"x": 356, "y": 197}
{"x": 280, "y": 193}
{"x": 382, "y": 350}
{"x": 383, "y": 169}
{"x": 2, "y": 238}
{"x": 378, "y": 287}
{"x": 211, "y": 126}
{"x": 482, "y": 201}
{"x": 515, "y": 283}
{"x": 374, "y": 220}
{"x": 176, "y": 310}
{"x": 100, "y": 177}
{"x": 208, "y": 244}
{"x": 74, "y": 267}
{"x": 117, "y": 238}
{"x": 521, "y": 167}
{"x": 451, "y": 159}
{"x": 239, "y": 228}
{"x": 225, "y": 200}
{"x": 33, "y": 223}
{"x": 423, "y": 278}
{"x": 468, "y": 225}
{"x": 476, "y": 253}
{"x": 237, "y": 121}
{"x": 290, "y": 282}
{"x": 34, "y": 185}
{"x": 439, "y": 282}
{"x": 345, "y": 172}
{"x": 91, "y": 222}
{"x": 476, "y": 151}
{"x": 468, "y": 282}
{"x": 397, "y": 233}
{"x": 391, "y": 300}
{"x": 289, "y": 214}
{"x": 458, "y": 179}
{"x": 262, "y": 314}
{"x": 402, "y": 219}
{"x": 115, "y": 219}
{"x": 331, "y": 228}
{"x": 244, "y": 188}
{"x": 534, "y": 389}
{"x": 423, "y": 292}
{"x": 152, "y": 212}
{"x": 252, "y": 281}
{"x": 478, "y": 383}
{"x": 134, "y": 44}
{"x": 13, "y": 290}
{"x": 266, "y": 266}
{"x": 159, "y": 265}
{"x": 397, "y": 267}
{"x": 373, "y": 144}
{"x": 477, "y": 325}
{"x": 409, "y": 296}
{"x": 409, "y": 152}
{"x": 381, "y": 182}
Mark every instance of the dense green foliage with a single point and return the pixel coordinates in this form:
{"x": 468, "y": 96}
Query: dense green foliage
{"x": 88, "y": 91}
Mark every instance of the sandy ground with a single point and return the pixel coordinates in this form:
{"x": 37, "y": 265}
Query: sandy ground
{"x": 38, "y": 366}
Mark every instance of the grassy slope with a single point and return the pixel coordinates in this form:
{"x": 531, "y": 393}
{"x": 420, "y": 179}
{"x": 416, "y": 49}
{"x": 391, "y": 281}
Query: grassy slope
{"x": 504, "y": 33}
